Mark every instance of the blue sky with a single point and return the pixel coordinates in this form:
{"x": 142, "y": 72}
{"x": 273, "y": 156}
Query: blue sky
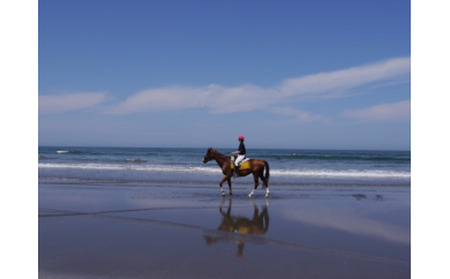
{"x": 285, "y": 74}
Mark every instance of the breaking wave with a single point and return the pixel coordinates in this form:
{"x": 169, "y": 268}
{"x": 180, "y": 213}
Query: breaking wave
{"x": 311, "y": 173}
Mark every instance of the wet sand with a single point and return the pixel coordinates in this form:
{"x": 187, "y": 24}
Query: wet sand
{"x": 188, "y": 230}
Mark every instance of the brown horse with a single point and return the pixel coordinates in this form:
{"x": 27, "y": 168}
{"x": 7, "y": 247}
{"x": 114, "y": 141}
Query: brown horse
{"x": 240, "y": 227}
{"x": 255, "y": 167}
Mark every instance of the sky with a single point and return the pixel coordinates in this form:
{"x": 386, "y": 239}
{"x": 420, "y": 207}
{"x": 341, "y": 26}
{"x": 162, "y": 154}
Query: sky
{"x": 285, "y": 74}
{"x": 326, "y": 74}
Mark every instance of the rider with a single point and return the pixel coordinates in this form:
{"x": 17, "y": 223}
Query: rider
{"x": 240, "y": 153}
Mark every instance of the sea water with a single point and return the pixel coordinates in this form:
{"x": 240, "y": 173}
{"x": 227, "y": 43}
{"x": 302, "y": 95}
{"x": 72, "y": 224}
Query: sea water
{"x": 184, "y": 165}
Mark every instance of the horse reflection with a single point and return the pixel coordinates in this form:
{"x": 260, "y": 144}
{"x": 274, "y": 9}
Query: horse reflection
{"x": 239, "y": 230}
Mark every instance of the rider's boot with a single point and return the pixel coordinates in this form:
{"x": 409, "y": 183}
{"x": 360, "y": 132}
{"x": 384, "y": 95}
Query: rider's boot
{"x": 236, "y": 169}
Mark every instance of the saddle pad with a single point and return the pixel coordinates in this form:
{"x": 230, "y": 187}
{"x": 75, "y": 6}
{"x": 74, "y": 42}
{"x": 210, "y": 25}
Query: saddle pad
{"x": 244, "y": 165}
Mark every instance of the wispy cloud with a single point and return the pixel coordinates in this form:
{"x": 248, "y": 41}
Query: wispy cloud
{"x": 162, "y": 99}
{"x": 248, "y": 97}
{"x": 217, "y": 98}
{"x": 338, "y": 81}
{"x": 394, "y": 112}
{"x": 298, "y": 116}
{"x": 69, "y": 102}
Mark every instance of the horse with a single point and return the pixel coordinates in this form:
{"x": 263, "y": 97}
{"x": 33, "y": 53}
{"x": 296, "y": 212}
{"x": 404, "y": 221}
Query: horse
{"x": 240, "y": 227}
{"x": 255, "y": 167}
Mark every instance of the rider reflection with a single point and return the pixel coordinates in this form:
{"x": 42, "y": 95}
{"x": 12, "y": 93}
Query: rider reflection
{"x": 237, "y": 229}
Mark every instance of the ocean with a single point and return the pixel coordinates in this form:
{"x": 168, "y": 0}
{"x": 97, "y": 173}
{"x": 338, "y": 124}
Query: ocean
{"x": 292, "y": 167}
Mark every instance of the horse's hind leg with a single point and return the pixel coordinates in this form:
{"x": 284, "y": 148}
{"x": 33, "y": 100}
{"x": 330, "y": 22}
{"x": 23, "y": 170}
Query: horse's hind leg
{"x": 265, "y": 184}
{"x": 255, "y": 176}
{"x": 267, "y": 192}
{"x": 229, "y": 185}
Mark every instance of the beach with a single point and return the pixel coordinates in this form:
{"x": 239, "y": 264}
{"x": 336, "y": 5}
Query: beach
{"x": 159, "y": 213}
{"x": 90, "y": 228}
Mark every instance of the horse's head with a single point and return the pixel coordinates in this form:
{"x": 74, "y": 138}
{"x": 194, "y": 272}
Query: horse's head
{"x": 208, "y": 156}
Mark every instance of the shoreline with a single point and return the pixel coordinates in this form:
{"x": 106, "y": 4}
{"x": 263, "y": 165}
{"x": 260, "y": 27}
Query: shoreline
{"x": 188, "y": 230}
{"x": 238, "y": 181}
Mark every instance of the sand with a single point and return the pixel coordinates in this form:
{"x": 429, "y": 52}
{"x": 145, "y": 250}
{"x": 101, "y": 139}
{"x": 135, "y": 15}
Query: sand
{"x": 188, "y": 230}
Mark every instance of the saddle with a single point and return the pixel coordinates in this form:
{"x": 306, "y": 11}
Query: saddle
{"x": 244, "y": 164}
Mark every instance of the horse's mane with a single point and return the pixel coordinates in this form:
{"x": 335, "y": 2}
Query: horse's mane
{"x": 217, "y": 152}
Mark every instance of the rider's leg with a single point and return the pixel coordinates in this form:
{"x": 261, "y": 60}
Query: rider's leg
{"x": 237, "y": 163}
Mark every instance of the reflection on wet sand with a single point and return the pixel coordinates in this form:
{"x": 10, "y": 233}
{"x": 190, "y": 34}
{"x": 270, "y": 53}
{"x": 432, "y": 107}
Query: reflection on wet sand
{"x": 237, "y": 229}
{"x": 98, "y": 231}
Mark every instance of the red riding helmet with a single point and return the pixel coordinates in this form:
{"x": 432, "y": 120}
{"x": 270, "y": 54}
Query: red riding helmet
{"x": 241, "y": 137}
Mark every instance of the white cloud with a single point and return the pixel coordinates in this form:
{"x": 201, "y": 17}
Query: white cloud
{"x": 68, "y": 102}
{"x": 396, "y": 112}
{"x": 217, "y": 98}
{"x": 238, "y": 99}
{"x": 346, "y": 79}
{"x": 170, "y": 98}
{"x": 248, "y": 97}
{"x": 298, "y": 116}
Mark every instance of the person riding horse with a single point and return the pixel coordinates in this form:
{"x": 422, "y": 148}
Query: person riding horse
{"x": 259, "y": 169}
{"x": 241, "y": 152}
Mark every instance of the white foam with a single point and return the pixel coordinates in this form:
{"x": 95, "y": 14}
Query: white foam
{"x": 159, "y": 168}
{"x": 320, "y": 173}
{"x": 342, "y": 173}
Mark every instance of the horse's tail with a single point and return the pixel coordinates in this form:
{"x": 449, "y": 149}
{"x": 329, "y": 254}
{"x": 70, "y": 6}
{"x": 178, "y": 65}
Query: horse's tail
{"x": 266, "y": 177}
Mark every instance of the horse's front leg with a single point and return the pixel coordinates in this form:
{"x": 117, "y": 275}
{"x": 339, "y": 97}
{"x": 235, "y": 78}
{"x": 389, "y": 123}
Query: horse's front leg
{"x": 221, "y": 188}
{"x": 226, "y": 178}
